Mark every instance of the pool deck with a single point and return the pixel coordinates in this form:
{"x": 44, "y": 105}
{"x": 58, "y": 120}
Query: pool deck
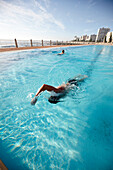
{"x": 53, "y": 46}
{"x": 38, "y": 47}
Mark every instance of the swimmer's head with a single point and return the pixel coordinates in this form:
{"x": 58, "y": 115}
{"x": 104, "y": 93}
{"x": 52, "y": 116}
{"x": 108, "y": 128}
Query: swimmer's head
{"x": 54, "y": 99}
{"x": 63, "y": 51}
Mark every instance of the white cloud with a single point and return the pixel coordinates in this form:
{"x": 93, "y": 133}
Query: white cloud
{"x": 90, "y": 21}
{"x": 91, "y": 3}
{"x": 48, "y": 16}
{"x": 22, "y": 14}
{"x": 47, "y": 3}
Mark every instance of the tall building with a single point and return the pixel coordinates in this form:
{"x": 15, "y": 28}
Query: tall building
{"x": 112, "y": 36}
{"x": 101, "y": 34}
{"x": 83, "y": 37}
{"x": 87, "y": 38}
{"x": 109, "y": 37}
{"x": 76, "y": 38}
{"x": 93, "y": 37}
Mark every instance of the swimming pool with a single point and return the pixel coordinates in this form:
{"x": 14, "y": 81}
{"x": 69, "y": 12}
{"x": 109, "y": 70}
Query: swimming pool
{"x": 76, "y": 133}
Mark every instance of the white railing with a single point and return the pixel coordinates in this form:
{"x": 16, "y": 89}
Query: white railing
{"x": 35, "y": 43}
{"x": 4, "y": 43}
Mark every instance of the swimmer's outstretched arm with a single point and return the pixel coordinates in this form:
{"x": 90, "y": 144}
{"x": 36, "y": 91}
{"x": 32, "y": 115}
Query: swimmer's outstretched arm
{"x": 43, "y": 88}
{"x": 48, "y": 88}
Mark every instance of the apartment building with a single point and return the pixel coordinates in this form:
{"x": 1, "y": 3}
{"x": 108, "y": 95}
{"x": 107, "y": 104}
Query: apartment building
{"x": 76, "y": 38}
{"x": 83, "y": 38}
{"x": 109, "y": 37}
{"x": 93, "y": 37}
{"x": 101, "y": 34}
{"x": 112, "y": 36}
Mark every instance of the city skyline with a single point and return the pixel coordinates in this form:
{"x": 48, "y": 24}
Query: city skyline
{"x": 55, "y": 20}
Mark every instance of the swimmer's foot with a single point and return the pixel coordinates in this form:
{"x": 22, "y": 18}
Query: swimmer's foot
{"x": 85, "y": 76}
{"x": 34, "y": 100}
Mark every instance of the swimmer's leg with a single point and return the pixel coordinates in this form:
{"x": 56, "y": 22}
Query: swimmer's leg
{"x": 79, "y": 76}
{"x": 77, "y": 79}
{"x": 84, "y": 77}
{"x": 74, "y": 79}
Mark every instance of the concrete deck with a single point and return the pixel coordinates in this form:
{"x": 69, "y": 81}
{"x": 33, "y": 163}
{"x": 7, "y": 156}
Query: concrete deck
{"x": 37, "y": 47}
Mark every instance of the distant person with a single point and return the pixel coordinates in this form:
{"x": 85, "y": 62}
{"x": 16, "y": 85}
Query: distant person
{"x": 61, "y": 52}
{"x": 60, "y": 91}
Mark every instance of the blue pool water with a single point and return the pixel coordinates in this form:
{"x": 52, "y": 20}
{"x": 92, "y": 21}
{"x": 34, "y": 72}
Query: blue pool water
{"x": 76, "y": 134}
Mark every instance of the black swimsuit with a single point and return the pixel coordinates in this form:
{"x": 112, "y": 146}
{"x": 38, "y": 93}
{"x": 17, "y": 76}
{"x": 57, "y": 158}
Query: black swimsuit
{"x": 73, "y": 81}
{"x": 55, "y": 99}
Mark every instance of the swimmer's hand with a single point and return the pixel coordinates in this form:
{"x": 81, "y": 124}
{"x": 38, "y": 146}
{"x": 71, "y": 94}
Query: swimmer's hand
{"x": 34, "y": 100}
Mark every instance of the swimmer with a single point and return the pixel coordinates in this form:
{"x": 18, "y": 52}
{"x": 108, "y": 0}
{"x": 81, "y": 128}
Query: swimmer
{"x": 60, "y": 91}
{"x": 61, "y": 52}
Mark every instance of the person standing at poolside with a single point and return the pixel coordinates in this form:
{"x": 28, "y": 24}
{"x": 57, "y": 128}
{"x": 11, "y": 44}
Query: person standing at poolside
{"x": 59, "y": 91}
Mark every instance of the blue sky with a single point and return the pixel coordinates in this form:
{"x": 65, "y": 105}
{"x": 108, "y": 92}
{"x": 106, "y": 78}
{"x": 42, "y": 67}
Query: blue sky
{"x": 53, "y": 19}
